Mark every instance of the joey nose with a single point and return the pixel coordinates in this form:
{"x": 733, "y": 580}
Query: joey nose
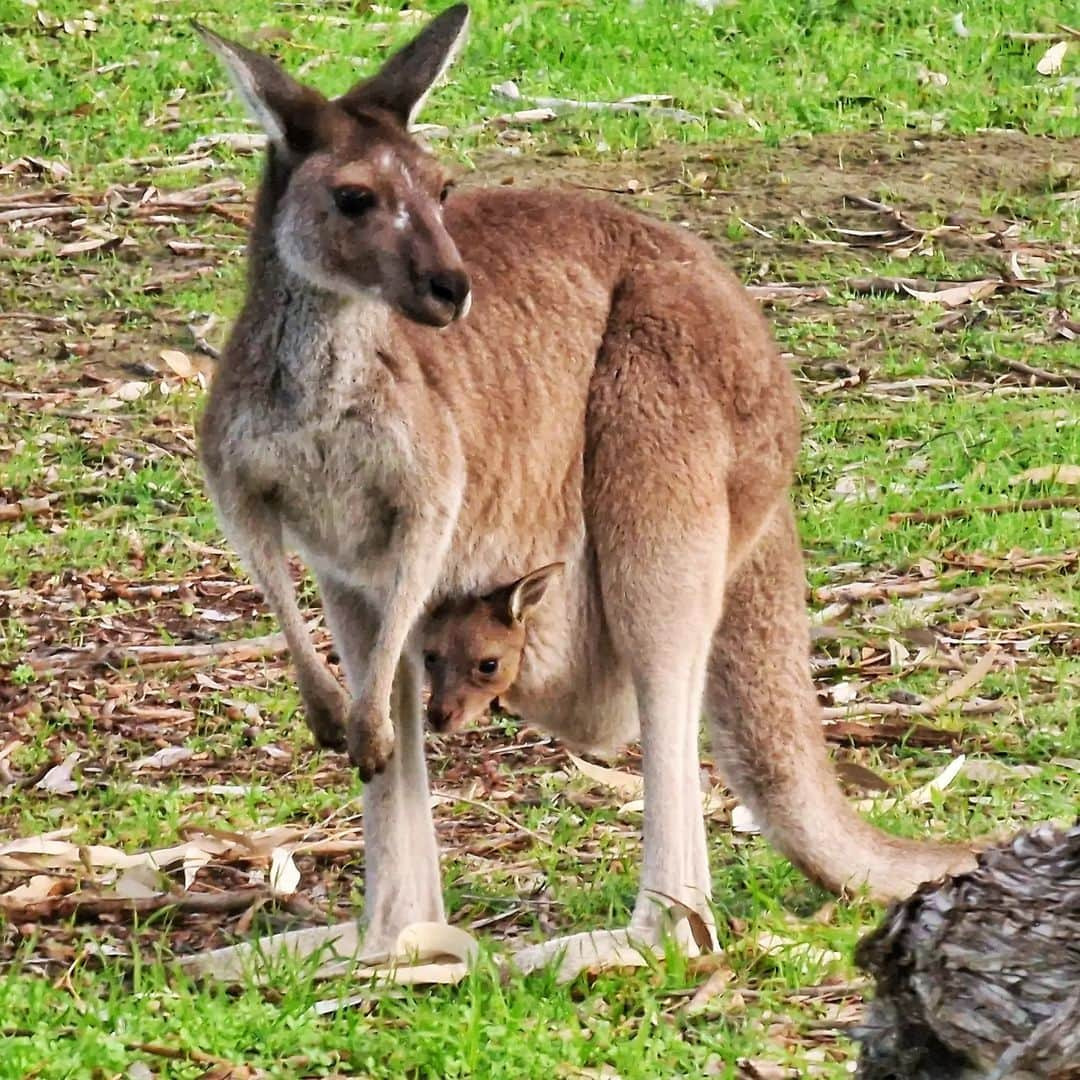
{"x": 450, "y": 287}
{"x": 439, "y": 718}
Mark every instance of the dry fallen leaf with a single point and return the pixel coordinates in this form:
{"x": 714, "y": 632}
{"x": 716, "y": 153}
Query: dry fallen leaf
{"x": 966, "y": 293}
{"x": 131, "y": 391}
{"x": 699, "y": 929}
{"x": 970, "y": 679}
{"x": 771, "y": 944}
{"x": 926, "y": 77}
{"x": 996, "y": 772}
{"x": 921, "y": 795}
{"x": 39, "y": 887}
{"x": 712, "y": 986}
{"x": 58, "y": 779}
{"x": 179, "y": 363}
{"x": 165, "y": 758}
{"x": 1050, "y": 63}
{"x": 626, "y": 784}
{"x": 138, "y": 882}
{"x": 1054, "y": 474}
{"x": 284, "y": 875}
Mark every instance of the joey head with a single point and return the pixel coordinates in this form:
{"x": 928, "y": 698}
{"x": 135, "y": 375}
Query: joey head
{"x": 473, "y": 648}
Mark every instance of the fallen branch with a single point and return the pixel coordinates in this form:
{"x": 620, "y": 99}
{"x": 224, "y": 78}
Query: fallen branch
{"x": 919, "y": 517}
{"x": 87, "y": 904}
{"x": 647, "y": 104}
{"x": 898, "y": 708}
{"x": 171, "y": 1053}
{"x": 145, "y": 656}
{"x": 1042, "y": 375}
{"x": 884, "y": 286}
{"x": 1042, "y": 35}
{"x": 769, "y": 294}
{"x": 855, "y": 591}
{"x": 26, "y": 508}
{"x": 32, "y": 213}
{"x": 236, "y": 217}
{"x": 888, "y": 733}
{"x": 197, "y": 1057}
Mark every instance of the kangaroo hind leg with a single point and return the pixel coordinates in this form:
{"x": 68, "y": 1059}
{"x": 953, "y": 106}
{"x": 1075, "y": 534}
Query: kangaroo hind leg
{"x": 658, "y": 514}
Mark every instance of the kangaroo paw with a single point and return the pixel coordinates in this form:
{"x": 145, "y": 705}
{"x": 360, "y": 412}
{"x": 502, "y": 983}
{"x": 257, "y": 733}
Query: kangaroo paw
{"x": 325, "y": 707}
{"x": 369, "y": 735}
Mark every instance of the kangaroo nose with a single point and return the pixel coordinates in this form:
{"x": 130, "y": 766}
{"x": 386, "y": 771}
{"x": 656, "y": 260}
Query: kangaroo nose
{"x": 450, "y": 287}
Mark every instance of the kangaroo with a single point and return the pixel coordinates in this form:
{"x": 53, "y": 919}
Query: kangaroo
{"x": 427, "y": 392}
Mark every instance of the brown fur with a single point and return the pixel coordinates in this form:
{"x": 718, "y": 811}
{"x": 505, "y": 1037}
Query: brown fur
{"x": 613, "y": 400}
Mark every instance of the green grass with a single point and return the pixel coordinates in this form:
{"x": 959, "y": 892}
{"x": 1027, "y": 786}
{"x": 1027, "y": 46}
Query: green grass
{"x": 814, "y": 100}
{"x": 768, "y": 67}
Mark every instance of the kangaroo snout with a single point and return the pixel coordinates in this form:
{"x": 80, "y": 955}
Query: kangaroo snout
{"x": 450, "y": 288}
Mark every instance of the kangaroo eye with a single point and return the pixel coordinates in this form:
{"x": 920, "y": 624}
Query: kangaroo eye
{"x": 445, "y": 193}
{"x": 430, "y": 660}
{"x": 487, "y": 667}
{"x": 354, "y": 201}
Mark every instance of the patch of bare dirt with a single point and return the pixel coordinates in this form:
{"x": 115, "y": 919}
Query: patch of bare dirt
{"x": 807, "y": 181}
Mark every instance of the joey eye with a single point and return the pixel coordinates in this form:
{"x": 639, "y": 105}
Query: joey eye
{"x": 353, "y": 201}
{"x": 430, "y": 660}
{"x": 488, "y": 667}
{"x": 445, "y": 193}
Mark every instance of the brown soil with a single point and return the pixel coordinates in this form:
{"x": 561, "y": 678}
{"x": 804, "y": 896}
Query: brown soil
{"x": 804, "y": 183}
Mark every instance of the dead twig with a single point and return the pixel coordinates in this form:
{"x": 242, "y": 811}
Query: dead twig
{"x": 919, "y": 517}
{"x": 84, "y": 904}
{"x": 769, "y": 294}
{"x": 884, "y": 286}
{"x": 889, "y": 733}
{"x": 1042, "y": 35}
{"x": 236, "y": 217}
{"x": 898, "y": 708}
{"x": 855, "y": 591}
{"x": 1042, "y": 375}
{"x": 147, "y": 655}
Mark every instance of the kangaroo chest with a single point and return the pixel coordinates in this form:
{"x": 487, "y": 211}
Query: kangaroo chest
{"x": 328, "y": 441}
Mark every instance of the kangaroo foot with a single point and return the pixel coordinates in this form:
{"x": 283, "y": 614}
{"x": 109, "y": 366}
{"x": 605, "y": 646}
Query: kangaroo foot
{"x": 599, "y": 950}
{"x": 325, "y": 707}
{"x": 369, "y": 735}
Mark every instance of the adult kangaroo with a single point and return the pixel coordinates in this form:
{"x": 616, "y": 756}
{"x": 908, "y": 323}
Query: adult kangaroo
{"x": 612, "y": 401}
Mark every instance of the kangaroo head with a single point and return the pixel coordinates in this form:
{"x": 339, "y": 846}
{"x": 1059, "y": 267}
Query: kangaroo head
{"x": 352, "y": 202}
{"x": 473, "y": 648}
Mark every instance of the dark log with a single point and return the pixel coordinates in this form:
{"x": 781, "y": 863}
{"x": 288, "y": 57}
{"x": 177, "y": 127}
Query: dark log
{"x": 978, "y": 976}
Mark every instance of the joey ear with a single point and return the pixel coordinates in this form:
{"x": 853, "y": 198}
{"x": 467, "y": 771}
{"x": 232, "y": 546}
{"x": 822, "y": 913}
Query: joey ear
{"x": 524, "y": 596}
{"x": 404, "y": 81}
{"x": 286, "y": 110}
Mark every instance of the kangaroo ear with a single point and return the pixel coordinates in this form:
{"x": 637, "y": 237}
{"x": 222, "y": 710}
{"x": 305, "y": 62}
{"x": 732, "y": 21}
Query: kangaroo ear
{"x": 524, "y": 596}
{"x": 406, "y": 79}
{"x": 286, "y": 110}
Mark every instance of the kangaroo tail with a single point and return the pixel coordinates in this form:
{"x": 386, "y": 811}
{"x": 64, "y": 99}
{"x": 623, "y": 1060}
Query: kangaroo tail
{"x": 767, "y": 735}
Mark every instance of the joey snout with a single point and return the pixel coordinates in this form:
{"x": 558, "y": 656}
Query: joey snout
{"x": 444, "y": 718}
{"x": 369, "y": 736}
